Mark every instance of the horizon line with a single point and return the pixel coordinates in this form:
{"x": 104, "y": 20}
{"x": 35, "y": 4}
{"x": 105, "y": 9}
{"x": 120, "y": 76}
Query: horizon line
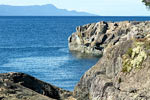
{"x": 72, "y": 16}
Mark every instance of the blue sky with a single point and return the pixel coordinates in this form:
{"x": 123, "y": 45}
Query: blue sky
{"x": 100, "y": 7}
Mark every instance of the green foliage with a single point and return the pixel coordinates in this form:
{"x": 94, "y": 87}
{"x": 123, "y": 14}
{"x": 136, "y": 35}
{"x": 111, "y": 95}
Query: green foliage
{"x": 146, "y": 2}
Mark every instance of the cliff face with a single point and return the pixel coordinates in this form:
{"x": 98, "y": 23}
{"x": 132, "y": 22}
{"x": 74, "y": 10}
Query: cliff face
{"x": 123, "y": 72}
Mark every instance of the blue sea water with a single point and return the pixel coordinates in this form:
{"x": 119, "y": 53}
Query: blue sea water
{"x": 38, "y": 46}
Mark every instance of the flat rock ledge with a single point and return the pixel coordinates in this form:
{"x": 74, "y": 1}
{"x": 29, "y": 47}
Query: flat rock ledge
{"x": 94, "y": 38}
{"x": 20, "y": 86}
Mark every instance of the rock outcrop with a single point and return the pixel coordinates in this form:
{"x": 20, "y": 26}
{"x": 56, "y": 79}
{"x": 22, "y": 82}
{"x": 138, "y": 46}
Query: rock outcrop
{"x": 20, "y": 86}
{"x": 123, "y": 72}
{"x": 94, "y": 38}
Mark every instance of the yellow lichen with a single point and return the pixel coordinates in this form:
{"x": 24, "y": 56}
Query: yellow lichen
{"x": 138, "y": 56}
{"x": 126, "y": 64}
{"x": 134, "y": 57}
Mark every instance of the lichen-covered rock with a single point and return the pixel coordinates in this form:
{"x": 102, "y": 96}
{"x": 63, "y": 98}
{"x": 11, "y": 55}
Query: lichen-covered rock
{"x": 94, "y": 38}
{"x": 107, "y": 67}
{"x": 123, "y": 72}
{"x": 135, "y": 59}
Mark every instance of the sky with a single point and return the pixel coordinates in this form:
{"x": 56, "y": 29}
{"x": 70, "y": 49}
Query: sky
{"x": 99, "y": 7}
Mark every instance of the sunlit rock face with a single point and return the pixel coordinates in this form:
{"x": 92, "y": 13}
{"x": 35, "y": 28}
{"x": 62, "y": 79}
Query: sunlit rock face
{"x": 96, "y": 37}
{"x": 124, "y": 69}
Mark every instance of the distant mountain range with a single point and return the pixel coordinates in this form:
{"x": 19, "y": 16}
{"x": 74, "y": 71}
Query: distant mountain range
{"x": 37, "y": 10}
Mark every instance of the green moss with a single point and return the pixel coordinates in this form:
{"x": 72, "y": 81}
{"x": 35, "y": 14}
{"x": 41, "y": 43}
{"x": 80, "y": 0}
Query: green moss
{"x": 129, "y": 52}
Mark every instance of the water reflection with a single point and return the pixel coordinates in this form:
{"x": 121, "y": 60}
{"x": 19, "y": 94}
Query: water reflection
{"x": 80, "y": 55}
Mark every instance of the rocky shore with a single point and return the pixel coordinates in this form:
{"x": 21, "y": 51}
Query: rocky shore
{"x": 122, "y": 73}
{"x": 20, "y": 86}
{"x": 94, "y": 38}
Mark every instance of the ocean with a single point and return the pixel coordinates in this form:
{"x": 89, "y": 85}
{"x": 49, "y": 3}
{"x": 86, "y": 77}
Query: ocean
{"x": 38, "y": 46}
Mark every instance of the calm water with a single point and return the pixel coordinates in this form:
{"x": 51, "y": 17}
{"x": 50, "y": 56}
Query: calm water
{"x": 38, "y": 46}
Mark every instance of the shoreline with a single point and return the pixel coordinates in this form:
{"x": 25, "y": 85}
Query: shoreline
{"x": 20, "y": 86}
{"x": 124, "y": 66}
{"x": 125, "y": 60}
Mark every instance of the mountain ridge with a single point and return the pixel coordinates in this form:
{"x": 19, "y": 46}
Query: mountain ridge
{"x": 38, "y": 10}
